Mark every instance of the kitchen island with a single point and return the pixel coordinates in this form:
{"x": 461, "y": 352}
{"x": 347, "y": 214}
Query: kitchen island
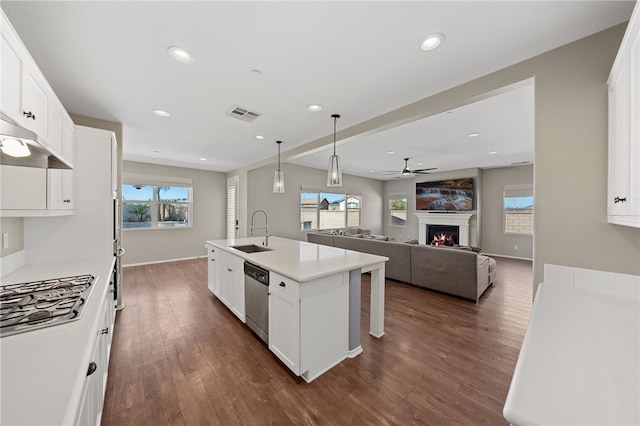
{"x": 314, "y": 297}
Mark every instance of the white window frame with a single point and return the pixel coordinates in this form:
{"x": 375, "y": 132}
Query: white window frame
{"x": 154, "y": 182}
{"x": 515, "y": 191}
{"x": 318, "y": 191}
{"x": 398, "y": 196}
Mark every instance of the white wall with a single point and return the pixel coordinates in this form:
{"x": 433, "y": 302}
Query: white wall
{"x": 494, "y": 240}
{"x": 284, "y": 209}
{"x": 209, "y": 218}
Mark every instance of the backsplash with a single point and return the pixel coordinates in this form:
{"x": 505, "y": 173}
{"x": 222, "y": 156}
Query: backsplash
{"x": 611, "y": 283}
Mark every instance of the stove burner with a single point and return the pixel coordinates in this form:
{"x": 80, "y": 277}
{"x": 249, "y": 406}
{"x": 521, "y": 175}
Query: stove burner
{"x": 38, "y": 304}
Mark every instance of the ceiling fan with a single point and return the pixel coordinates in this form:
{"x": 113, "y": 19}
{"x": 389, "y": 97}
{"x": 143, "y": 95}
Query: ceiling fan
{"x": 408, "y": 171}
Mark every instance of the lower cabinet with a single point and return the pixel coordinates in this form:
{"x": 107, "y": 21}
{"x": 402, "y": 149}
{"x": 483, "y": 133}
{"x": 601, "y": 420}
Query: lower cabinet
{"x": 309, "y": 323}
{"x": 232, "y": 283}
{"x": 92, "y": 401}
{"x": 213, "y": 271}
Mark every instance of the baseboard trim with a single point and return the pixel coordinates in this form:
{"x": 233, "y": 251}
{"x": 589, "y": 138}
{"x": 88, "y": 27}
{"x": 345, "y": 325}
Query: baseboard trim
{"x": 163, "y": 261}
{"x": 505, "y": 256}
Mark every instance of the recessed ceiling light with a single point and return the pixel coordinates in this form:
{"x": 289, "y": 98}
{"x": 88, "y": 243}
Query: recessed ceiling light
{"x": 391, "y": 152}
{"x": 259, "y": 137}
{"x": 256, "y": 73}
{"x": 420, "y": 164}
{"x": 431, "y": 41}
{"x": 493, "y": 153}
{"x": 203, "y": 159}
{"x": 161, "y": 113}
{"x": 473, "y": 135}
{"x": 372, "y": 171}
{"x": 180, "y": 54}
{"x": 314, "y": 107}
{"x": 156, "y": 152}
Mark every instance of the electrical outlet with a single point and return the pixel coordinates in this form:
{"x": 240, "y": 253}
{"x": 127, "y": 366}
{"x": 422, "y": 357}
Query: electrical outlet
{"x": 5, "y": 240}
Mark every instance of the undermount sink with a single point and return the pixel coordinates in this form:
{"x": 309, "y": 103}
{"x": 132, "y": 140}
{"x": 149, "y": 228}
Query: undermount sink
{"x": 251, "y": 248}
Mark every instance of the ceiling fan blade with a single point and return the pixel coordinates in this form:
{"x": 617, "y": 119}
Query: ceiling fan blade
{"x": 423, "y": 170}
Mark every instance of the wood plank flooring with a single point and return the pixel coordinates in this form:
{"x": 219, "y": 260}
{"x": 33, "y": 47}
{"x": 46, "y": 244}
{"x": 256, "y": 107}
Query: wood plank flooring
{"x": 180, "y": 357}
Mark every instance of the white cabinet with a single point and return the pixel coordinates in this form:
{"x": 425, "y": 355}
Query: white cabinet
{"x": 309, "y": 322}
{"x": 10, "y": 75}
{"x": 60, "y": 182}
{"x": 27, "y": 99}
{"x": 92, "y": 400}
{"x": 623, "y": 203}
{"x": 284, "y": 323}
{"x": 213, "y": 277}
{"x": 232, "y": 283}
{"x": 22, "y": 188}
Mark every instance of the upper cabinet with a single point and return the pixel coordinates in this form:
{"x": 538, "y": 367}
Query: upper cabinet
{"x": 623, "y": 203}
{"x": 28, "y": 100}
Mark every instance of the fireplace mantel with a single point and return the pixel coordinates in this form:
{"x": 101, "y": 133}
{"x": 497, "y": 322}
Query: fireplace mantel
{"x": 462, "y": 220}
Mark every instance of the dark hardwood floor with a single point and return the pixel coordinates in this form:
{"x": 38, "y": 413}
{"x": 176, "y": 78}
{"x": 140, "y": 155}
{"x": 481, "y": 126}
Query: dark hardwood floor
{"x": 180, "y": 357}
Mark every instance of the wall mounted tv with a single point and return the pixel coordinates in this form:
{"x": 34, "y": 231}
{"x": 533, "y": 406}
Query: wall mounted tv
{"x": 445, "y": 195}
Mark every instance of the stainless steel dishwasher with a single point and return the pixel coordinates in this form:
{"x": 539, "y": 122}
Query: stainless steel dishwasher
{"x": 256, "y": 299}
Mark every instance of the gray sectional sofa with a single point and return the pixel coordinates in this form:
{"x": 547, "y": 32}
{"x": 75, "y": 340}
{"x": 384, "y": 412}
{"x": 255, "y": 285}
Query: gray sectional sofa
{"x": 455, "y": 271}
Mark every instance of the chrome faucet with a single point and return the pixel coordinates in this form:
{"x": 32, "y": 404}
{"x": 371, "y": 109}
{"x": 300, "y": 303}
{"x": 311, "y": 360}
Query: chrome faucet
{"x": 266, "y": 227}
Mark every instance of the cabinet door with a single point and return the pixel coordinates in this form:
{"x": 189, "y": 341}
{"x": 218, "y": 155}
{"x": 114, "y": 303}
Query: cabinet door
{"x": 35, "y": 102}
{"x": 633, "y": 206}
{"x": 10, "y": 76}
{"x": 284, "y": 327}
{"x": 618, "y": 139}
{"x": 226, "y": 285}
{"x": 237, "y": 304}
{"x": 212, "y": 273}
{"x": 23, "y": 188}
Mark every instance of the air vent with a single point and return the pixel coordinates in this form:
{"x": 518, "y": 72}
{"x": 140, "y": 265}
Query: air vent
{"x": 243, "y": 114}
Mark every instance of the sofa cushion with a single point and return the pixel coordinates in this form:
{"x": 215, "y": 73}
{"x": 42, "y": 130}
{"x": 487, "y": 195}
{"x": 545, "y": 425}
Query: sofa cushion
{"x": 398, "y": 267}
{"x": 444, "y": 269}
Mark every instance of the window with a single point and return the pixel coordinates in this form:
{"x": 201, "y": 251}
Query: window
{"x": 518, "y": 209}
{"x": 398, "y": 210}
{"x": 328, "y": 210}
{"x": 147, "y": 206}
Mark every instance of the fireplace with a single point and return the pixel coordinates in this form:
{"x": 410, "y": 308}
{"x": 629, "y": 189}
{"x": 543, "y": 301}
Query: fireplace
{"x": 443, "y": 235}
{"x": 465, "y": 222}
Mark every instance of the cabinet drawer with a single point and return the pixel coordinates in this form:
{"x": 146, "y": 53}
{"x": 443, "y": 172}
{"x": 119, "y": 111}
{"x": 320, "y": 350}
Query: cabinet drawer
{"x": 284, "y": 285}
{"x": 232, "y": 261}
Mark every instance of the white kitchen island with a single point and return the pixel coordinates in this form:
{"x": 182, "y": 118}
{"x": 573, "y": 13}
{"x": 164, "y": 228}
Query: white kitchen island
{"x": 314, "y": 318}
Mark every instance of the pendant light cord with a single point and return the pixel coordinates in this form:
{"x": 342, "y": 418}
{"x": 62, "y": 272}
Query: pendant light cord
{"x": 335, "y": 120}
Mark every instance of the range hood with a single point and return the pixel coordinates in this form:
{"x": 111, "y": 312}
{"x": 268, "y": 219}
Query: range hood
{"x": 42, "y": 155}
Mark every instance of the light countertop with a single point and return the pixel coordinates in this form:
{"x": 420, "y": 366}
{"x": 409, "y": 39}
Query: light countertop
{"x": 42, "y": 372}
{"x": 580, "y": 361}
{"x": 299, "y": 260}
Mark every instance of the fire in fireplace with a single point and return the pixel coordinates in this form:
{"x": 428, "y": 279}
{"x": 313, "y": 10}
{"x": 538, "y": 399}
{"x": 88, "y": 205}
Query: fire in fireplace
{"x": 442, "y": 235}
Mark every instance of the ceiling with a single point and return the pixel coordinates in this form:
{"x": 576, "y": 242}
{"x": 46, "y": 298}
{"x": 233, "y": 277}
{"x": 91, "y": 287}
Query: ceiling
{"x": 109, "y": 60}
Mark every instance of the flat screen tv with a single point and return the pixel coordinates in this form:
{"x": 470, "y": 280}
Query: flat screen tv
{"x": 445, "y": 195}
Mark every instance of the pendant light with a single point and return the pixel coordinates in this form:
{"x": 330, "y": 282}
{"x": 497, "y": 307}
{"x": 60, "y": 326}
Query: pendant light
{"x": 278, "y": 178}
{"x": 334, "y": 175}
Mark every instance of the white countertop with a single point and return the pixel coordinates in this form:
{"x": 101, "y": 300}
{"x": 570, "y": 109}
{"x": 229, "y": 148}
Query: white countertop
{"x": 580, "y": 361}
{"x": 42, "y": 371}
{"x": 299, "y": 260}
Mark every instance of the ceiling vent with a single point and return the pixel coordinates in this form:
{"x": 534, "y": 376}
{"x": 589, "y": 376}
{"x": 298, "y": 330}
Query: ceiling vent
{"x": 243, "y": 114}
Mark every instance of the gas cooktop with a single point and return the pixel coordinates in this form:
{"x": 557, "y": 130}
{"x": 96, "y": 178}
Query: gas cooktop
{"x": 38, "y": 304}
